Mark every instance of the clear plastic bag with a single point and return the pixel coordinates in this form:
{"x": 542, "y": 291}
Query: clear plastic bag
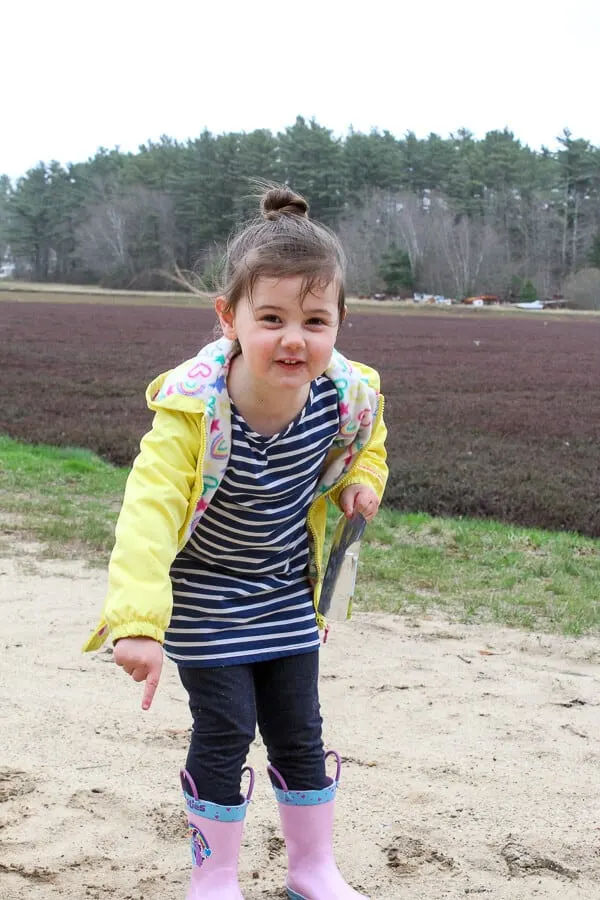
{"x": 340, "y": 576}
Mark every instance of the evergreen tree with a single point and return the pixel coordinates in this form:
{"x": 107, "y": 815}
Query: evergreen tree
{"x": 579, "y": 183}
{"x": 438, "y": 161}
{"x": 312, "y": 164}
{"x": 257, "y": 163}
{"x": 28, "y": 231}
{"x": 371, "y": 161}
{"x": 464, "y": 183}
{"x": 528, "y": 292}
{"x": 594, "y": 257}
{"x": 492, "y": 207}
{"x": 396, "y": 271}
{"x": 5, "y": 192}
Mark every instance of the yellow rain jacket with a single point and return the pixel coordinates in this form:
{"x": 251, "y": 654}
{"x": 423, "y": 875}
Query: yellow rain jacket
{"x": 180, "y": 466}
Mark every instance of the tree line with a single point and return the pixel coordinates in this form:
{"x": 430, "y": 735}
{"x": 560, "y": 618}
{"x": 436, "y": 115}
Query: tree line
{"x": 447, "y": 215}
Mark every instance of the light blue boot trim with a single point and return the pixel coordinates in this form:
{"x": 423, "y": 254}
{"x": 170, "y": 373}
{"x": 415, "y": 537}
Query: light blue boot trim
{"x": 207, "y": 810}
{"x": 306, "y": 798}
{"x": 213, "y": 811}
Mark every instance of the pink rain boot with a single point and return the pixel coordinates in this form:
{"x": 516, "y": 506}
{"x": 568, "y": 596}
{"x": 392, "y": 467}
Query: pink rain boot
{"x": 216, "y": 833}
{"x": 307, "y": 822}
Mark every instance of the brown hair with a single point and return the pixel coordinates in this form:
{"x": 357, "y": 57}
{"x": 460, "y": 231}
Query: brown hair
{"x": 283, "y": 242}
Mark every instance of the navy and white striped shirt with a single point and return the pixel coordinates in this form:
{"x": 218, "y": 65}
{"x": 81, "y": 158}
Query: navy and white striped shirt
{"x": 240, "y": 585}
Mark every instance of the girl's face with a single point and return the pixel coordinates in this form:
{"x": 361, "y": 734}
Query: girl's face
{"x": 285, "y": 344}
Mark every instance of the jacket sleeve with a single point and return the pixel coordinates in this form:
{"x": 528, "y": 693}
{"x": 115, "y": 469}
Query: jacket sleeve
{"x": 155, "y": 507}
{"x": 372, "y": 468}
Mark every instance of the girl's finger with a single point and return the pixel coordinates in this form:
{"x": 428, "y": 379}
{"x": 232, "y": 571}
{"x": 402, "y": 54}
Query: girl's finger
{"x": 150, "y": 688}
{"x": 368, "y": 508}
{"x": 140, "y": 673}
{"x": 348, "y": 505}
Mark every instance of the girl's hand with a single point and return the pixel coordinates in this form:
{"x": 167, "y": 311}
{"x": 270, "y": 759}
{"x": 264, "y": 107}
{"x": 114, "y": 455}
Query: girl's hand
{"x": 142, "y": 658}
{"x": 358, "y": 498}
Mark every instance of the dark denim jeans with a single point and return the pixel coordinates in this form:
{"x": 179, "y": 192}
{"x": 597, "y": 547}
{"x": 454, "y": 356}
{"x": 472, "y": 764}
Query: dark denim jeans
{"x": 227, "y": 702}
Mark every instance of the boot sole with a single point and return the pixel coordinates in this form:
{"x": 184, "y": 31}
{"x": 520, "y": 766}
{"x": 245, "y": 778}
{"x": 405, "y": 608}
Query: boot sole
{"x": 292, "y": 895}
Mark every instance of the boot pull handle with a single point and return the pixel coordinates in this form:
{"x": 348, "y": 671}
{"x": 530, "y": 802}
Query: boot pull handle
{"x": 189, "y": 786}
{"x": 275, "y": 773}
{"x": 338, "y": 760}
{"x": 282, "y": 782}
{"x": 250, "y": 791}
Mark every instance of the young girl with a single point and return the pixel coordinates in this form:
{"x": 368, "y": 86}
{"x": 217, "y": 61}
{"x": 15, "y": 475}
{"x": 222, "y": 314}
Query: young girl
{"x": 219, "y": 544}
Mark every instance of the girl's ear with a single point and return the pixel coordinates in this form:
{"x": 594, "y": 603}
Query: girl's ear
{"x": 226, "y": 318}
{"x": 344, "y": 314}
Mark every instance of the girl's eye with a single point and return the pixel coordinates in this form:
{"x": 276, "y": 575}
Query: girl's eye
{"x": 271, "y": 319}
{"x": 315, "y": 322}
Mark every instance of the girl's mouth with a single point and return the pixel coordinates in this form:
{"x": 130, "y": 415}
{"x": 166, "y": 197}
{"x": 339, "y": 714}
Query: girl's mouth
{"x": 290, "y": 363}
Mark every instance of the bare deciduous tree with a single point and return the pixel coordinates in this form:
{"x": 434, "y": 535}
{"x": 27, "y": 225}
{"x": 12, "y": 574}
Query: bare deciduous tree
{"x": 583, "y": 289}
{"x": 127, "y": 234}
{"x": 471, "y": 248}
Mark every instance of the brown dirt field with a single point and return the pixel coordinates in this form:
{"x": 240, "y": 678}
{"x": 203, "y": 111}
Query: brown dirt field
{"x": 496, "y": 417}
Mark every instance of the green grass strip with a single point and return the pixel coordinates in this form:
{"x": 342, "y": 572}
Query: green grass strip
{"x": 471, "y": 570}
{"x": 65, "y": 498}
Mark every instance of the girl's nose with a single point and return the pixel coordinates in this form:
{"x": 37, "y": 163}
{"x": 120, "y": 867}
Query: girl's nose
{"x": 292, "y": 338}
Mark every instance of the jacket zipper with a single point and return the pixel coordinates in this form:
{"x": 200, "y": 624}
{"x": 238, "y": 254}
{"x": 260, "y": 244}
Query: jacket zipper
{"x": 200, "y": 479}
{"x": 345, "y": 480}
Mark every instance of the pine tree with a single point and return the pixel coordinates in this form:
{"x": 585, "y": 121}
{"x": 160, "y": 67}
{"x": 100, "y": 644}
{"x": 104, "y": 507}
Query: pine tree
{"x": 5, "y": 192}
{"x": 396, "y": 271}
{"x": 528, "y": 292}
{"x": 312, "y": 164}
{"x": 594, "y": 257}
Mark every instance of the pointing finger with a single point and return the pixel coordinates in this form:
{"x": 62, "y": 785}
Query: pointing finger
{"x": 150, "y": 689}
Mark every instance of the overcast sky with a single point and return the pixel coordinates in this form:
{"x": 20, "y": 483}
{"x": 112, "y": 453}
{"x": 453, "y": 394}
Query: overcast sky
{"x": 75, "y": 76}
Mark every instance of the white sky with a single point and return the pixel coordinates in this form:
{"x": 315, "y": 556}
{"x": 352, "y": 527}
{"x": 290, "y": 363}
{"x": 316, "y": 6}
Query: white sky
{"x": 75, "y": 76}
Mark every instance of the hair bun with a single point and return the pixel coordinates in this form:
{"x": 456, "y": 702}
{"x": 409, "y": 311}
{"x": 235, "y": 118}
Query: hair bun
{"x": 282, "y": 202}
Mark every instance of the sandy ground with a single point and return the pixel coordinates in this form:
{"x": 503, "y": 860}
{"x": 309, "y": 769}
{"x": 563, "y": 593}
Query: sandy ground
{"x": 472, "y": 759}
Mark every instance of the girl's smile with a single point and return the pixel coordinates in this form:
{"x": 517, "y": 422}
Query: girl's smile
{"x": 286, "y": 340}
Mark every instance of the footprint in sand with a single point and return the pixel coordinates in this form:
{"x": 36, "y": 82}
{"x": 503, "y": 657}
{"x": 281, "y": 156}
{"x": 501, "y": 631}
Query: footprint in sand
{"x": 407, "y": 854}
{"x": 14, "y": 783}
{"x": 31, "y": 873}
{"x": 169, "y": 821}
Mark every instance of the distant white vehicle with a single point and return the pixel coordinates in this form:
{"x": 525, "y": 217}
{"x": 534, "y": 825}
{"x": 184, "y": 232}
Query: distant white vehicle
{"x": 7, "y": 270}
{"x": 535, "y": 304}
